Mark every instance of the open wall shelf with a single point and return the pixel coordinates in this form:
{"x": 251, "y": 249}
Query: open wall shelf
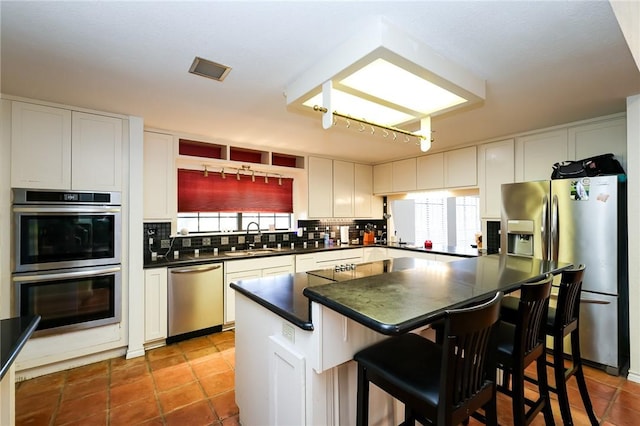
{"x": 198, "y": 150}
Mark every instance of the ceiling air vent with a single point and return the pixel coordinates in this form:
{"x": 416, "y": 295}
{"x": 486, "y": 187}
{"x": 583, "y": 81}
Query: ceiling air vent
{"x": 209, "y": 69}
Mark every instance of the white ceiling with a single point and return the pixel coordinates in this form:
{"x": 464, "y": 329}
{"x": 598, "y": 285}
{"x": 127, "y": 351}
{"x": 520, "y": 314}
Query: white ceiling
{"x": 545, "y": 63}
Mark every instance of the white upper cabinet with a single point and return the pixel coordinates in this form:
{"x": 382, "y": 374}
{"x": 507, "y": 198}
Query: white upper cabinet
{"x": 320, "y": 187}
{"x": 603, "y": 137}
{"x": 460, "y": 167}
{"x": 159, "y": 177}
{"x": 536, "y": 154}
{"x": 343, "y": 184}
{"x": 495, "y": 167}
{"x": 96, "y": 160}
{"x": 363, "y": 190}
{"x": 40, "y": 147}
{"x": 382, "y": 177}
{"x": 403, "y": 175}
{"x": 430, "y": 171}
{"x": 55, "y": 148}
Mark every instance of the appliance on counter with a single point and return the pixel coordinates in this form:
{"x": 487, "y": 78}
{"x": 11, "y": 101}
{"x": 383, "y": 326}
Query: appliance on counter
{"x": 66, "y": 258}
{"x": 195, "y": 301}
{"x": 581, "y": 221}
{"x": 344, "y": 235}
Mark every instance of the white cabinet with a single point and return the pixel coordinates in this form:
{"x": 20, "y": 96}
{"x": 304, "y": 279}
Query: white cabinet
{"x": 155, "y": 304}
{"x": 382, "y": 178}
{"x": 536, "y": 154}
{"x": 246, "y": 269}
{"x": 403, "y": 175}
{"x": 54, "y": 148}
{"x": 363, "y": 198}
{"x": 96, "y": 147}
{"x": 430, "y": 171}
{"x": 602, "y": 137}
{"x": 340, "y": 189}
{"x": 159, "y": 177}
{"x": 460, "y": 167}
{"x": 286, "y": 383}
{"x": 40, "y": 147}
{"x": 495, "y": 167}
{"x": 343, "y": 188}
{"x": 320, "y": 187}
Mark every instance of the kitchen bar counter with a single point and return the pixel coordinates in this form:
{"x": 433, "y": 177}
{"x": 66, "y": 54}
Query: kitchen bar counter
{"x": 209, "y": 256}
{"x": 401, "y": 301}
{"x": 396, "y": 295}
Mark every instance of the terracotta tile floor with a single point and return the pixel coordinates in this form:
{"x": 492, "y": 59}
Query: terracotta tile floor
{"x": 186, "y": 383}
{"x": 192, "y": 383}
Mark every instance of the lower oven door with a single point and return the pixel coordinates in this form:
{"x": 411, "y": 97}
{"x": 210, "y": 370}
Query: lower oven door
{"x": 70, "y": 299}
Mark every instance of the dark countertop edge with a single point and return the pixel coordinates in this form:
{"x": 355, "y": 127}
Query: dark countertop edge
{"x": 308, "y": 326}
{"x": 221, "y": 257}
{"x": 19, "y": 342}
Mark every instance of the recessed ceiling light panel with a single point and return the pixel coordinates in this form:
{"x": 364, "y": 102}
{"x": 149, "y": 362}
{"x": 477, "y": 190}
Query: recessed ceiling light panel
{"x": 209, "y": 69}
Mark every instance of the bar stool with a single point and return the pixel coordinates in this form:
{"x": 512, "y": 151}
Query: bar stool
{"x": 442, "y": 383}
{"x": 521, "y": 343}
{"x": 563, "y": 320}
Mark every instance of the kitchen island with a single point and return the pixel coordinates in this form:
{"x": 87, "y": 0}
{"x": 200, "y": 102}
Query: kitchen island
{"x": 296, "y": 334}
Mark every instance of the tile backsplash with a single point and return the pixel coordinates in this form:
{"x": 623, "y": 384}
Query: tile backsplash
{"x": 157, "y": 236}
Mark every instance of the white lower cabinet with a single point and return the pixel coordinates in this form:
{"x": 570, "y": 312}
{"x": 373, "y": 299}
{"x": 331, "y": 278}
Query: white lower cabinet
{"x": 155, "y": 304}
{"x": 247, "y": 269}
{"x": 286, "y": 384}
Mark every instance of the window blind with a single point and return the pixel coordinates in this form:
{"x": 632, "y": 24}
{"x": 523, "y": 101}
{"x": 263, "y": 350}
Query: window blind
{"x": 213, "y": 193}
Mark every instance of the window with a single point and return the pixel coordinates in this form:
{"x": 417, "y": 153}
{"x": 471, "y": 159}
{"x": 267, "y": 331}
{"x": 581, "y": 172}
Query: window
{"x": 446, "y": 220}
{"x": 223, "y": 222}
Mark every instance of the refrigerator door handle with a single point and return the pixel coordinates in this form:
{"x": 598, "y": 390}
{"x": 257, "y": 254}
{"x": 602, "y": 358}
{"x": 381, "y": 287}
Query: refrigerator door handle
{"x": 544, "y": 229}
{"x": 555, "y": 229}
{"x": 594, "y": 302}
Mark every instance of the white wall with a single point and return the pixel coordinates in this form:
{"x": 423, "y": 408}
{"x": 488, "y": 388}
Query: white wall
{"x": 633, "y": 188}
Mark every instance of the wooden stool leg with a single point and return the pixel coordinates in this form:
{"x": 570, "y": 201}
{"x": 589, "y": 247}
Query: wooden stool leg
{"x": 491, "y": 411}
{"x": 582, "y": 384}
{"x": 517, "y": 397}
{"x": 543, "y": 388}
{"x": 362, "y": 398}
{"x": 561, "y": 384}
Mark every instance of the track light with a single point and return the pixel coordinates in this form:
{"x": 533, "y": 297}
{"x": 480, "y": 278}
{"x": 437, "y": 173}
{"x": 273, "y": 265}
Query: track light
{"x": 266, "y": 178}
{"x": 253, "y": 176}
{"x": 280, "y": 180}
{"x": 206, "y": 172}
{"x": 222, "y": 174}
{"x": 238, "y": 174}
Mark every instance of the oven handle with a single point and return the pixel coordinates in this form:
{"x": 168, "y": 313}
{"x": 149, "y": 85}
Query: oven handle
{"x": 67, "y": 209}
{"x": 63, "y": 275}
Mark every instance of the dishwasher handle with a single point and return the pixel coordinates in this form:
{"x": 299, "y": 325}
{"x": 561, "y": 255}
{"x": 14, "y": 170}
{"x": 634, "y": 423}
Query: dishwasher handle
{"x": 195, "y": 269}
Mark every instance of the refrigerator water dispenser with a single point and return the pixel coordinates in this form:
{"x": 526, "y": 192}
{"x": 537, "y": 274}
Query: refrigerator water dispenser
{"x": 520, "y": 237}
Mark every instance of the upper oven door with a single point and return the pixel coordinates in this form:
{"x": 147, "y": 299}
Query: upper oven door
{"x": 54, "y": 237}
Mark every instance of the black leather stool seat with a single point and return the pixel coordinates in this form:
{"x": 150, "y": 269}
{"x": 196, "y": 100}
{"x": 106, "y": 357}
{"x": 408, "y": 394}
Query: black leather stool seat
{"x": 408, "y": 361}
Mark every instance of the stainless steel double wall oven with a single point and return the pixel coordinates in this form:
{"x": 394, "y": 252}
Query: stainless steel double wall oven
{"x": 66, "y": 258}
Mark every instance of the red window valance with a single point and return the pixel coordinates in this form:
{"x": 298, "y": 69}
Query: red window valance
{"x": 212, "y": 193}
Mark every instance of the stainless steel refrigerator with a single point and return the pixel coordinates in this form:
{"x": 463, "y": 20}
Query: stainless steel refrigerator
{"x": 581, "y": 221}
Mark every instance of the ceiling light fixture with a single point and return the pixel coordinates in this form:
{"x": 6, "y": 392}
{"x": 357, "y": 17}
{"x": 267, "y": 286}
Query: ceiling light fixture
{"x": 209, "y": 69}
{"x": 387, "y": 79}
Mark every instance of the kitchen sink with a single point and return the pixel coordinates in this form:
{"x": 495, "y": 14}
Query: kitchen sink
{"x": 250, "y": 252}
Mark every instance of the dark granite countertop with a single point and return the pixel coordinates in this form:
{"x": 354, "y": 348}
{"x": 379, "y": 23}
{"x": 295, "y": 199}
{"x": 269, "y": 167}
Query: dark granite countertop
{"x": 395, "y": 295}
{"x": 209, "y": 256}
{"x": 400, "y": 301}
{"x": 14, "y": 333}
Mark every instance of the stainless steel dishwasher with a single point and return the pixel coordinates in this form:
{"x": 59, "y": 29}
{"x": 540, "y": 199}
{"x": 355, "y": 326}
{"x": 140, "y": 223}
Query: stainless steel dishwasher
{"x": 195, "y": 300}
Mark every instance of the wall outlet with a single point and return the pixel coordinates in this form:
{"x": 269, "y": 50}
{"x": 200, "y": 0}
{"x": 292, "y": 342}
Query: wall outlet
{"x": 186, "y": 242}
{"x": 310, "y": 235}
{"x": 224, "y": 240}
{"x": 206, "y": 241}
{"x": 288, "y": 332}
{"x": 165, "y": 243}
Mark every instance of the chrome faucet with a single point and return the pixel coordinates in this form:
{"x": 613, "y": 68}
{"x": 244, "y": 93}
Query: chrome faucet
{"x": 252, "y": 245}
